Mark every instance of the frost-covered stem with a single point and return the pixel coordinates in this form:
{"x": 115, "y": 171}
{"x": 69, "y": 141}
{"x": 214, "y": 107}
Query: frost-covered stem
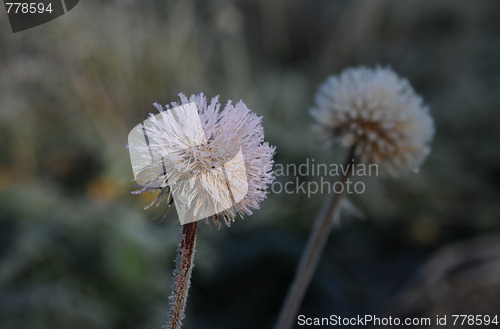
{"x": 310, "y": 257}
{"x": 182, "y": 276}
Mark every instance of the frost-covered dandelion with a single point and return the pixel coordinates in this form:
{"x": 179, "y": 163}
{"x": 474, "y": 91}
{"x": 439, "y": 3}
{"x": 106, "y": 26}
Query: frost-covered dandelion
{"x": 377, "y": 113}
{"x": 380, "y": 118}
{"x": 210, "y": 163}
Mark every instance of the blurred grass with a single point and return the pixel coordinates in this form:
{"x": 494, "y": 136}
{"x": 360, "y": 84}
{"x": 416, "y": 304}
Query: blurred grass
{"x": 77, "y": 250}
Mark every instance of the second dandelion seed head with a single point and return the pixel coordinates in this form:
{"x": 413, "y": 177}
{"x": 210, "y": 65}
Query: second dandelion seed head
{"x": 377, "y": 114}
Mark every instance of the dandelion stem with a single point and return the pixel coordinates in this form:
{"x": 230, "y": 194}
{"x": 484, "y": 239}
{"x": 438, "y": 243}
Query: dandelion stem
{"x": 182, "y": 276}
{"x": 310, "y": 257}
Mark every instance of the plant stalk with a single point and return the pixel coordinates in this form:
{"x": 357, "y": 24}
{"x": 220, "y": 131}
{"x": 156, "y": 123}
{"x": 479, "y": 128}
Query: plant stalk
{"x": 312, "y": 253}
{"x": 182, "y": 276}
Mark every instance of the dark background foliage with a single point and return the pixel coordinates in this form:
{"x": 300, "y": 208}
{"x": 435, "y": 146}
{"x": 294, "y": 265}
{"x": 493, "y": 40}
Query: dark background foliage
{"x": 78, "y": 251}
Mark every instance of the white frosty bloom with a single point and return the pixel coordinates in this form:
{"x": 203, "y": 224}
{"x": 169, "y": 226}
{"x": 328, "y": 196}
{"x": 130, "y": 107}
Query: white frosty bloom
{"x": 378, "y": 114}
{"x": 214, "y": 162}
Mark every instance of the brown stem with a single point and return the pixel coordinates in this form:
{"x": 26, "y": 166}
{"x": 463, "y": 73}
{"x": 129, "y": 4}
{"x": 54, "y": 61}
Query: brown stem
{"x": 310, "y": 257}
{"x": 182, "y": 276}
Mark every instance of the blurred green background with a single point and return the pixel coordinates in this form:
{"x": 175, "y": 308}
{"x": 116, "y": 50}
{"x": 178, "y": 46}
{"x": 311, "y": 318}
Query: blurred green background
{"x": 77, "y": 250}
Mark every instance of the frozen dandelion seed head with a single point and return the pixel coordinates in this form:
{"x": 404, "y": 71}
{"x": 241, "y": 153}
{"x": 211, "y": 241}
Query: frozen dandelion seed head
{"x": 377, "y": 113}
{"x": 213, "y": 159}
